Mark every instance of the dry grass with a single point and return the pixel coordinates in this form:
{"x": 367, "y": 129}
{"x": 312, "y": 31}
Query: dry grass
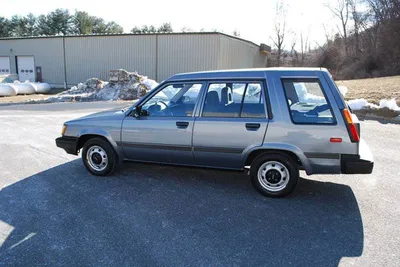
{"x": 373, "y": 89}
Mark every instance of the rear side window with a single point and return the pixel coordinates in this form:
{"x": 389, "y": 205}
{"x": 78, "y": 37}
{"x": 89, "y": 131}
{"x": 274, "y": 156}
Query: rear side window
{"x": 234, "y": 100}
{"x": 307, "y": 102}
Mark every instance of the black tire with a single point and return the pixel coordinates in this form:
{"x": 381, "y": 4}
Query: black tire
{"x": 268, "y": 159}
{"x": 106, "y": 148}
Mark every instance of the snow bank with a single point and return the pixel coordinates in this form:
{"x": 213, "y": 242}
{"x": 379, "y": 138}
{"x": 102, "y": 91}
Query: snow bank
{"x": 359, "y": 104}
{"x": 149, "y": 83}
{"x": 390, "y": 104}
{"x": 122, "y": 85}
{"x": 355, "y": 104}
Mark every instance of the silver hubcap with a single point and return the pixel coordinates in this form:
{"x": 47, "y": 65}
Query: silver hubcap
{"x": 273, "y": 176}
{"x": 97, "y": 158}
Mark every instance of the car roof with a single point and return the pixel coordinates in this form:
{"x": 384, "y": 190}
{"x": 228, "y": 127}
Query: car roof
{"x": 244, "y": 73}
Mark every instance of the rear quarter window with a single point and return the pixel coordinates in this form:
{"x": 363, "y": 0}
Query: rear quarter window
{"x": 307, "y": 102}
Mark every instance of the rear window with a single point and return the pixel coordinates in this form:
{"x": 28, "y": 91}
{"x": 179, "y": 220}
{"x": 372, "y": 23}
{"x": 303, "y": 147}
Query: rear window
{"x": 307, "y": 102}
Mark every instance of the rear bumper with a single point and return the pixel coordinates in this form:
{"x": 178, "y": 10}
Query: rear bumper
{"x": 69, "y": 144}
{"x": 353, "y": 164}
{"x": 363, "y": 163}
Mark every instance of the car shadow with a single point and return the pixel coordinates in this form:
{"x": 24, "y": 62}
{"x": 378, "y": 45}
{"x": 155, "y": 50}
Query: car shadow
{"x": 162, "y": 215}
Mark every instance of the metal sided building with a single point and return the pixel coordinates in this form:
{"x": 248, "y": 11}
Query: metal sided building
{"x": 67, "y": 60}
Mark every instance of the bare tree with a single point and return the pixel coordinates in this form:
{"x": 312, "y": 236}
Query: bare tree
{"x": 357, "y": 22}
{"x": 293, "y": 42}
{"x": 293, "y": 52}
{"x": 328, "y": 38}
{"x": 186, "y": 29}
{"x": 279, "y": 30}
{"x": 236, "y": 33}
{"x": 341, "y": 11}
{"x": 303, "y": 47}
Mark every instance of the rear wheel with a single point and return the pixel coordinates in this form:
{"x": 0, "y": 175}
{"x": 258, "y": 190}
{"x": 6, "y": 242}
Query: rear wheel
{"x": 274, "y": 175}
{"x": 98, "y": 157}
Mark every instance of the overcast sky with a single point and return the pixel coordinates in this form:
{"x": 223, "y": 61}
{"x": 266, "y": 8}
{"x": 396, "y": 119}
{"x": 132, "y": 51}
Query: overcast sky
{"x": 254, "y": 19}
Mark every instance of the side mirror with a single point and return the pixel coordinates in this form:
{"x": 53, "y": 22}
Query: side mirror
{"x": 136, "y": 112}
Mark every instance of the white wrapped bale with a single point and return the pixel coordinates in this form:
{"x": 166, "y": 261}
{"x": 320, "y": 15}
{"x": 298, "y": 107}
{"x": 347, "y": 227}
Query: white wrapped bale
{"x": 7, "y": 89}
{"x": 41, "y": 88}
{"x": 24, "y": 88}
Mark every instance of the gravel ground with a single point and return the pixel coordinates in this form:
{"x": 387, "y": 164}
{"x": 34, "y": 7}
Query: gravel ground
{"x": 23, "y": 98}
{"x": 53, "y": 213}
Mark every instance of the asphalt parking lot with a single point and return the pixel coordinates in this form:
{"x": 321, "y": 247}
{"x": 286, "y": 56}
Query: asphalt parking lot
{"x": 54, "y": 213}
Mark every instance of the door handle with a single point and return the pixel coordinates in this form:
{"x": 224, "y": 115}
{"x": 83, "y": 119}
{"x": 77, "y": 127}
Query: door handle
{"x": 252, "y": 126}
{"x": 182, "y": 124}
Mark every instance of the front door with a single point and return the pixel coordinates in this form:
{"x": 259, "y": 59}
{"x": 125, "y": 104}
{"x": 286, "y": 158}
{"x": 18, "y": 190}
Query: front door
{"x": 26, "y": 68}
{"x": 233, "y": 119}
{"x": 163, "y": 130}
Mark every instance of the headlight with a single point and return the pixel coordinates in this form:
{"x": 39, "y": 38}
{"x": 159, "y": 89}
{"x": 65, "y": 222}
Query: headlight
{"x": 64, "y": 128}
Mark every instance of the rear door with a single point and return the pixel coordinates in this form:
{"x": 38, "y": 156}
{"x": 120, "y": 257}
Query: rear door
{"x": 232, "y": 119}
{"x": 313, "y": 123}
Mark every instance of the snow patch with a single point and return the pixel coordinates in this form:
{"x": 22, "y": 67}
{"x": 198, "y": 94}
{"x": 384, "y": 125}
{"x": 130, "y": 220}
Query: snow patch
{"x": 306, "y": 97}
{"x": 390, "y": 104}
{"x": 149, "y": 82}
{"x": 359, "y": 104}
{"x": 343, "y": 89}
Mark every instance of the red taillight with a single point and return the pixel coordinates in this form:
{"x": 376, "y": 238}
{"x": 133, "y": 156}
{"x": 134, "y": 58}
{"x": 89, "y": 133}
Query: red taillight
{"x": 351, "y": 127}
{"x": 335, "y": 140}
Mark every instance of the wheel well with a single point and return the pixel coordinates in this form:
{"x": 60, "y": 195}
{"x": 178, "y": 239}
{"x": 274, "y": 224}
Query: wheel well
{"x": 254, "y": 154}
{"x": 84, "y": 138}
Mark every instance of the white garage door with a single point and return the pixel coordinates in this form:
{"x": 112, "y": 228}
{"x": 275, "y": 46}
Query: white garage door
{"x": 4, "y": 65}
{"x": 26, "y": 68}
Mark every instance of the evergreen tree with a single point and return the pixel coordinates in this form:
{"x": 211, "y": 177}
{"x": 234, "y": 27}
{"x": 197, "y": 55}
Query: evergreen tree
{"x": 5, "y": 27}
{"x": 165, "y": 28}
{"x": 60, "y": 22}
{"x": 82, "y": 23}
{"x": 19, "y": 26}
{"x": 31, "y": 26}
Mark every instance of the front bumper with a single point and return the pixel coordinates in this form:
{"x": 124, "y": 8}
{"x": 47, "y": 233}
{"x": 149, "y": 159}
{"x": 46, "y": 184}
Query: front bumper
{"x": 363, "y": 163}
{"x": 68, "y": 143}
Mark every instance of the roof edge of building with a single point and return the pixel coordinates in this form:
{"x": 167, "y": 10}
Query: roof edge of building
{"x": 126, "y": 34}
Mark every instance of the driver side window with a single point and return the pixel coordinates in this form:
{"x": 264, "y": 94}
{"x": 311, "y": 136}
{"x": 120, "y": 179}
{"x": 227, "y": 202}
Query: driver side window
{"x": 174, "y": 100}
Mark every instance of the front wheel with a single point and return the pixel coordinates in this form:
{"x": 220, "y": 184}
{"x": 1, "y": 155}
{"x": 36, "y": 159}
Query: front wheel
{"x": 274, "y": 175}
{"x": 98, "y": 157}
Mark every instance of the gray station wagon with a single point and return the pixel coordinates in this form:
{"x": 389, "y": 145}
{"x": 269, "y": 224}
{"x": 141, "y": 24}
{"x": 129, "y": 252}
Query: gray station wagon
{"x": 269, "y": 122}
